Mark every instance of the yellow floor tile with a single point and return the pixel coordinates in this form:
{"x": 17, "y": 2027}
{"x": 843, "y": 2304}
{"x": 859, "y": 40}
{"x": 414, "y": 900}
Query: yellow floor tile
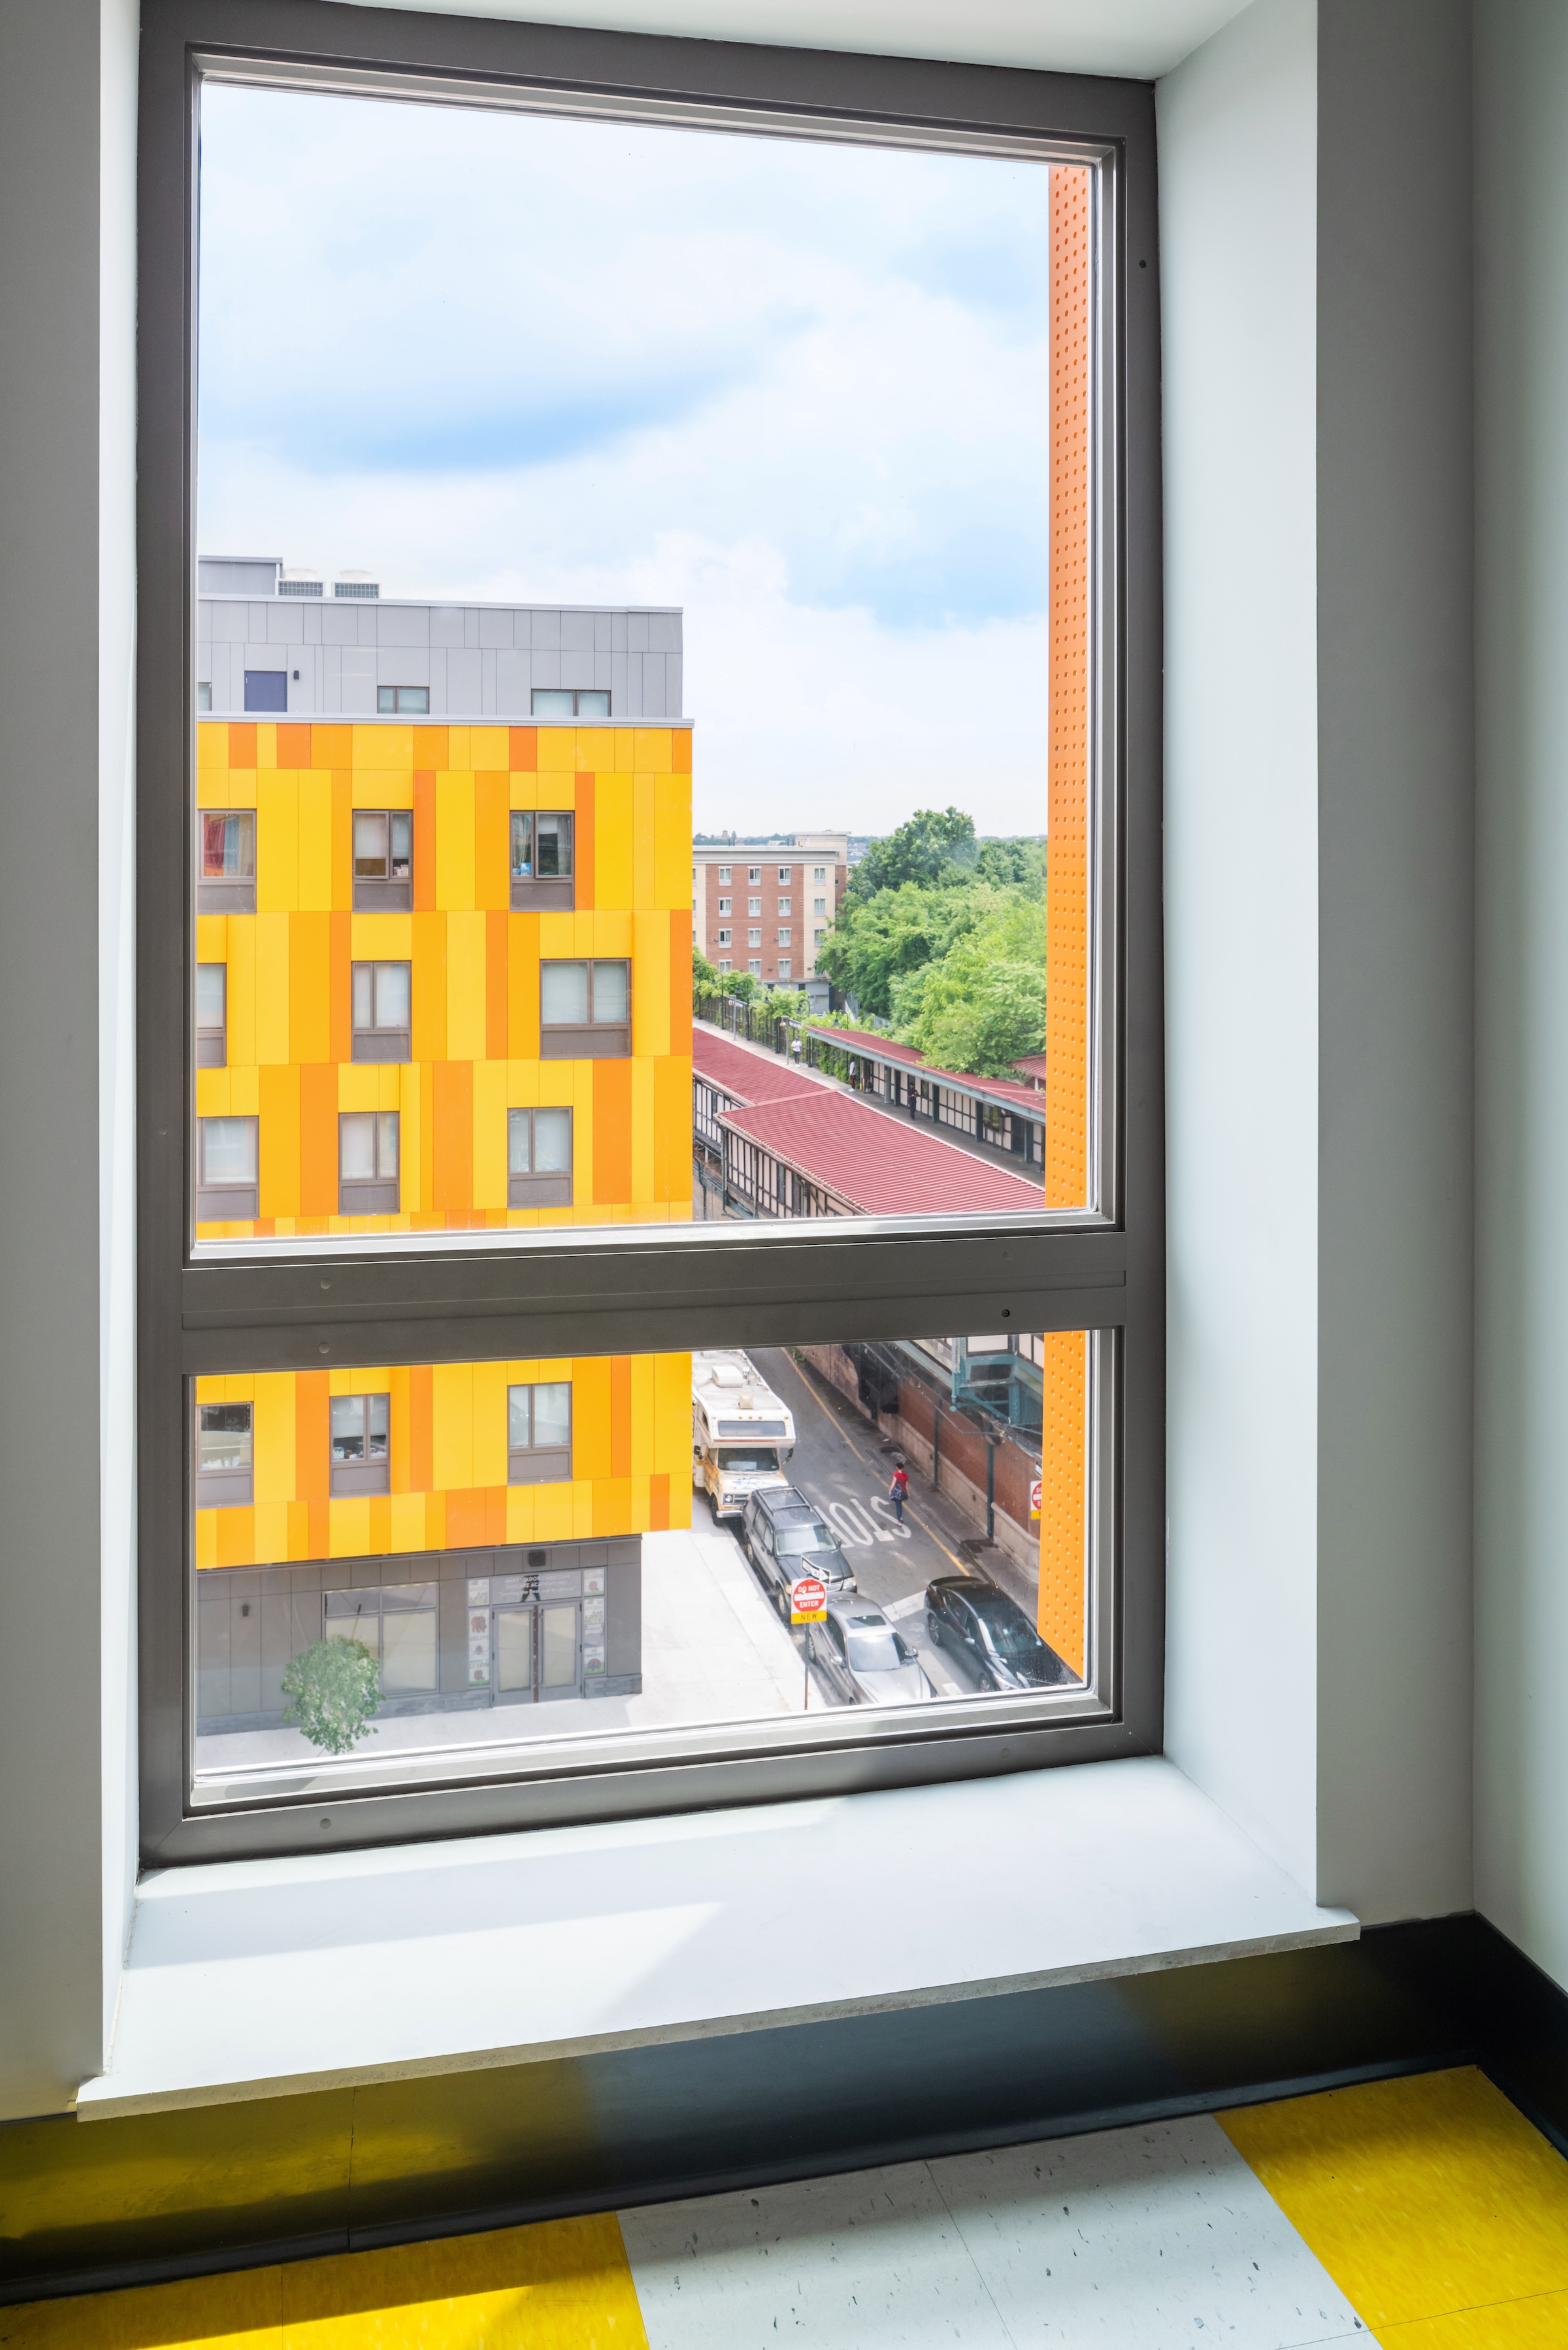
{"x": 565, "y": 2284}
{"x": 1539, "y": 2323}
{"x": 243, "y": 2312}
{"x": 1431, "y": 2198}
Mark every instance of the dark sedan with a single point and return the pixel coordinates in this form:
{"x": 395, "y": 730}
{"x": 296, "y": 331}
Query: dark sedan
{"x": 989, "y": 1637}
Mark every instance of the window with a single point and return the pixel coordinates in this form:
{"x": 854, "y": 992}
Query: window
{"x": 548, "y": 702}
{"x": 227, "y": 883}
{"x": 539, "y": 1157}
{"x": 753, "y": 905}
{"x": 224, "y": 1456}
{"x": 544, "y": 1595}
{"x": 724, "y": 965}
{"x": 584, "y": 1010}
{"x": 539, "y": 1433}
{"x": 819, "y": 872}
{"x": 383, "y": 860}
{"x": 753, "y": 938}
{"x": 211, "y": 1014}
{"x": 819, "y": 904}
{"x": 226, "y": 1184}
{"x": 725, "y": 905}
{"x": 204, "y": 694}
{"x": 723, "y": 873}
{"x": 542, "y": 859}
{"x": 382, "y": 994}
{"x": 402, "y": 701}
{"x": 784, "y": 908}
{"x": 725, "y": 938}
{"x": 267, "y": 689}
{"x": 368, "y": 1163}
{"x": 755, "y": 967}
{"x": 359, "y": 1431}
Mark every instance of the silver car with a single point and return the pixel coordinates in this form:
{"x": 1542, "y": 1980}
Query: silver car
{"x": 863, "y": 1659}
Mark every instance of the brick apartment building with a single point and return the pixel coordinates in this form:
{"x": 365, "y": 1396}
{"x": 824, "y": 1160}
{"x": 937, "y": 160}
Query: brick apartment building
{"x": 764, "y": 907}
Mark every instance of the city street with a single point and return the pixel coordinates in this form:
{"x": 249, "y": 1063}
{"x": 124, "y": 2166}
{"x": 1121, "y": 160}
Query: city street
{"x": 838, "y": 1464}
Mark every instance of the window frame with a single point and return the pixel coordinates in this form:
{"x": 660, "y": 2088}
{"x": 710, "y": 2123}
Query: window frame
{"x": 216, "y": 1308}
{"x": 386, "y": 893}
{"x": 592, "y": 1039}
{"x": 536, "y": 892}
{"x": 347, "y": 1479}
{"x": 368, "y": 1195}
{"x": 578, "y": 717}
{"x": 216, "y": 1194}
{"x": 549, "y": 1188}
{"x": 557, "y": 1459}
{"x": 394, "y": 709}
{"x": 379, "y": 1031}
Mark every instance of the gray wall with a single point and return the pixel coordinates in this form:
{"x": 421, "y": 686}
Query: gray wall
{"x": 68, "y": 95}
{"x": 479, "y": 660}
{"x": 1522, "y": 1594}
{"x": 1318, "y": 921}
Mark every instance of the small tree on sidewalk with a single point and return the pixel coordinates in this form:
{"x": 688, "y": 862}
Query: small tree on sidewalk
{"x": 333, "y": 1688}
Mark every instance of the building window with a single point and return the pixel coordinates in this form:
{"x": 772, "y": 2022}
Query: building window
{"x": 225, "y": 1457}
{"x": 227, "y": 881}
{"x": 397, "y": 1623}
{"x": 753, "y": 938}
{"x": 383, "y": 1024}
{"x": 402, "y": 701}
{"x": 542, "y": 874}
{"x": 785, "y": 938}
{"x": 754, "y": 872}
{"x": 539, "y": 1433}
{"x": 383, "y": 860}
{"x": 754, "y": 967}
{"x": 725, "y": 938}
{"x": 266, "y": 689}
{"x": 360, "y": 1455}
{"x": 819, "y": 904}
{"x": 783, "y": 966}
{"x": 226, "y": 1185}
{"x": 783, "y": 877}
{"x": 204, "y": 694}
{"x": 818, "y": 937}
{"x": 784, "y": 908}
{"x": 726, "y": 905}
{"x": 538, "y": 1158}
{"x": 724, "y": 965}
{"x": 584, "y": 1010}
{"x": 819, "y": 872}
{"x": 561, "y": 702}
{"x": 724, "y": 872}
{"x": 212, "y": 1015}
{"x": 368, "y": 1183}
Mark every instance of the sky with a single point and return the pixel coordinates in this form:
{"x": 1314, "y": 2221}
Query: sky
{"x": 800, "y": 389}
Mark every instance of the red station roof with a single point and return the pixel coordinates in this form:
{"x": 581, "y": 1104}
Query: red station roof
{"x": 884, "y": 1048}
{"x": 880, "y": 1167}
{"x": 748, "y": 1074}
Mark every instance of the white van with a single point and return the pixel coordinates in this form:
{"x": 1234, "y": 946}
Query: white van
{"x": 741, "y": 1433}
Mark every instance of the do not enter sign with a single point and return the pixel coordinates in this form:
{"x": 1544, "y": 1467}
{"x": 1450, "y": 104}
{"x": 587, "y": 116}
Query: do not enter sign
{"x": 808, "y": 1601}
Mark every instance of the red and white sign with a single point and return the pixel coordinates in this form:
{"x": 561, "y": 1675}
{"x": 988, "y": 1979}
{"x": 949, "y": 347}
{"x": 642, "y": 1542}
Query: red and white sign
{"x": 808, "y": 1601}
{"x": 1035, "y": 1498}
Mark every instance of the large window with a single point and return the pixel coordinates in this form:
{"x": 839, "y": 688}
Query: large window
{"x": 540, "y": 1277}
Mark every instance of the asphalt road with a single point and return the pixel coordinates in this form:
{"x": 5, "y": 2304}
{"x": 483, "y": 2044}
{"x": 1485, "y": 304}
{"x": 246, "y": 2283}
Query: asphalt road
{"x": 838, "y": 1464}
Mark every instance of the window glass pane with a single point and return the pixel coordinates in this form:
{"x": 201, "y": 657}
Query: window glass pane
{"x": 553, "y": 1412}
{"x": 371, "y": 846}
{"x": 609, "y": 990}
{"x": 402, "y": 844}
{"x": 518, "y": 1161}
{"x": 554, "y": 845}
{"x": 658, "y": 1574}
{"x": 347, "y": 1416}
{"x": 552, "y": 1141}
{"x": 228, "y": 1149}
{"x": 387, "y": 1143}
{"x": 563, "y": 993}
{"x": 551, "y": 704}
{"x": 357, "y": 1147}
{"x": 522, "y": 844}
{"x": 593, "y": 705}
{"x": 209, "y": 986}
{"x": 364, "y": 996}
{"x": 391, "y": 995}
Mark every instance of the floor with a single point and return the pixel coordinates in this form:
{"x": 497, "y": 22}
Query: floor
{"x": 1422, "y": 2214}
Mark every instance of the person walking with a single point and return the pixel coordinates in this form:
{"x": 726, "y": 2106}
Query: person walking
{"x": 898, "y": 1490}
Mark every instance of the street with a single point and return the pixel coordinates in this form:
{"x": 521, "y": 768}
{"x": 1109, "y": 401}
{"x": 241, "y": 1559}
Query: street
{"x": 839, "y": 1465}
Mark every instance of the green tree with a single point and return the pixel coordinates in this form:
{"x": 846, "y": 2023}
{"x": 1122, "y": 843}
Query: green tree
{"x": 704, "y": 977}
{"x": 741, "y": 983}
{"x": 333, "y": 1688}
{"x": 930, "y": 849}
{"x": 980, "y": 1005}
{"x": 877, "y": 940}
{"x": 1019, "y": 864}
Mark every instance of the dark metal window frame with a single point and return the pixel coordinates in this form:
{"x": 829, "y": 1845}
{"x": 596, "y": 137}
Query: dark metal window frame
{"x": 533, "y": 1463}
{"x": 536, "y": 1188}
{"x": 592, "y": 718}
{"x": 223, "y": 1307}
{"x": 369, "y": 1474}
{"x": 592, "y": 1039}
{"x": 378, "y": 1035}
{"x": 396, "y": 710}
{"x": 380, "y": 1194}
{"x": 382, "y": 893}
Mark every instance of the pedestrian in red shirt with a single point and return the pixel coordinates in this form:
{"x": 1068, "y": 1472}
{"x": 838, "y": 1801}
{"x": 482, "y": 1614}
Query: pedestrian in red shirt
{"x": 898, "y": 1490}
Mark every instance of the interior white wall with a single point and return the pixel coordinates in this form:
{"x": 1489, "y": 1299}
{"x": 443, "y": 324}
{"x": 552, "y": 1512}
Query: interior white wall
{"x": 1522, "y": 1517}
{"x": 66, "y": 390}
{"x": 1319, "y": 807}
{"x": 1238, "y": 144}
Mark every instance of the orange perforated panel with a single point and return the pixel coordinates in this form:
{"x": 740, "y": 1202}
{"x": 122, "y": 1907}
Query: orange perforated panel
{"x": 1062, "y": 1553}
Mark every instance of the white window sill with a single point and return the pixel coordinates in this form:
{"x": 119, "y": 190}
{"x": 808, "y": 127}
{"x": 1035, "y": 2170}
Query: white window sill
{"x": 264, "y": 1978}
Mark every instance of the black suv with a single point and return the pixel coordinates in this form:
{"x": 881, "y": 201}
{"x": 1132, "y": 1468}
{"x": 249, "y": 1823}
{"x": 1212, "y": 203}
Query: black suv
{"x": 989, "y": 1635}
{"x": 784, "y": 1538}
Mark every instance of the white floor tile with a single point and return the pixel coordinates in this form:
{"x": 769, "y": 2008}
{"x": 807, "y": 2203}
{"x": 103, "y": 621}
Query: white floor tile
{"x": 1154, "y": 2238}
{"x": 871, "y": 2261}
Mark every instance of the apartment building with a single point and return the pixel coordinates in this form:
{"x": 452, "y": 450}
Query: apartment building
{"x": 280, "y": 641}
{"x": 766, "y": 906}
{"x": 442, "y": 983}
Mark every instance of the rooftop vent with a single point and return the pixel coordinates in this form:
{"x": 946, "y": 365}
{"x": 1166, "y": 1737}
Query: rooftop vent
{"x": 299, "y": 583}
{"x": 356, "y": 583}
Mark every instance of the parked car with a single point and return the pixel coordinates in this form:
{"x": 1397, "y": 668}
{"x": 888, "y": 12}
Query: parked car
{"x": 863, "y": 1659}
{"x": 989, "y": 1635}
{"x": 784, "y": 1538}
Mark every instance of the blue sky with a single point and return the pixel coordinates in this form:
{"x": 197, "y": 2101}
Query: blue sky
{"x": 800, "y": 389}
